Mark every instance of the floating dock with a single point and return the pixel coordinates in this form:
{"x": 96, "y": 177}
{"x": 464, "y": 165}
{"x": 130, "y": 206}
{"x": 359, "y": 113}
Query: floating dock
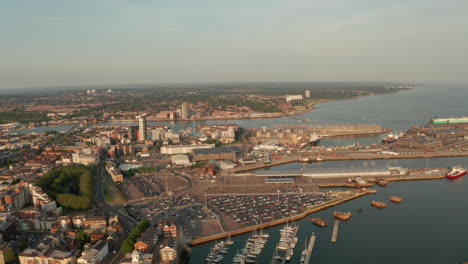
{"x": 335, "y": 231}
{"x": 310, "y": 248}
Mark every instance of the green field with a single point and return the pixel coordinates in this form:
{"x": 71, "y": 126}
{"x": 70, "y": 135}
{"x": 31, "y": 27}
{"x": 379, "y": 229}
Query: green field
{"x": 112, "y": 194}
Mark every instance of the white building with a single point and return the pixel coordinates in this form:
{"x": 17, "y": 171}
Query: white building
{"x": 180, "y": 159}
{"x": 182, "y": 149}
{"x": 142, "y": 128}
{"x": 307, "y": 94}
{"x": 293, "y": 97}
{"x": 94, "y": 254}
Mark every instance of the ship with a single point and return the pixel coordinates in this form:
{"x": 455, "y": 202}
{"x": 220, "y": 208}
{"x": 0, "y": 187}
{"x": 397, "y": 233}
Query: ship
{"x": 342, "y": 216}
{"x": 319, "y": 221}
{"x": 314, "y": 139}
{"x": 389, "y": 139}
{"x": 378, "y": 204}
{"x": 456, "y": 172}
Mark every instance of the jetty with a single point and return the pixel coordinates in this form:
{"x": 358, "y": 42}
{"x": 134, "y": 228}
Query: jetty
{"x": 335, "y": 231}
{"x": 310, "y": 248}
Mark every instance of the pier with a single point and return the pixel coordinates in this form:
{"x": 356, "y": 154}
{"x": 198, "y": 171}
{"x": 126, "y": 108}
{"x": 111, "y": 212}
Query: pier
{"x": 335, "y": 231}
{"x": 310, "y": 248}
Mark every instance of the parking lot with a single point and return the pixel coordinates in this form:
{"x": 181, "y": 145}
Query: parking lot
{"x": 256, "y": 209}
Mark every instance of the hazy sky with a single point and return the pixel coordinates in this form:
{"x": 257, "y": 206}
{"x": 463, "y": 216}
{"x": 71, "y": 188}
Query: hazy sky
{"x": 74, "y": 42}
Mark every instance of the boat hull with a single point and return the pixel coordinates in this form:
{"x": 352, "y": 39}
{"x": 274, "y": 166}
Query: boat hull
{"x": 455, "y": 176}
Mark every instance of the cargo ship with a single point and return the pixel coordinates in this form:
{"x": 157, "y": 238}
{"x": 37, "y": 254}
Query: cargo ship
{"x": 457, "y": 171}
{"x": 319, "y": 221}
{"x": 342, "y": 216}
{"x": 378, "y": 204}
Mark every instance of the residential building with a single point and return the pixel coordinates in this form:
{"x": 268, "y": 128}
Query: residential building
{"x": 184, "y": 111}
{"x": 142, "y": 128}
{"x": 94, "y": 254}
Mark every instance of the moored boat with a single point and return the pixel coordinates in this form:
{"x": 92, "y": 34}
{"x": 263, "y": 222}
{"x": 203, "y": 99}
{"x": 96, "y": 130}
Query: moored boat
{"x": 342, "y": 216}
{"x": 319, "y": 221}
{"x": 456, "y": 172}
{"x": 396, "y": 199}
{"x": 378, "y": 204}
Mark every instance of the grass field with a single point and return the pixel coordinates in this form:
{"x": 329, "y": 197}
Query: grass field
{"x": 112, "y": 194}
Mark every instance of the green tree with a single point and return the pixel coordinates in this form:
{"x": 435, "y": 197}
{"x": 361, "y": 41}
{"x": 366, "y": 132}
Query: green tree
{"x": 9, "y": 255}
{"x": 126, "y": 246}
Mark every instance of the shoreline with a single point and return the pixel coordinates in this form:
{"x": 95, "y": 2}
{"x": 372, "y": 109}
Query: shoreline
{"x": 302, "y": 215}
{"x": 279, "y": 115}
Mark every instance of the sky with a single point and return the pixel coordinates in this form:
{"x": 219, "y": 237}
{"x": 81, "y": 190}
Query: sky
{"x": 100, "y": 42}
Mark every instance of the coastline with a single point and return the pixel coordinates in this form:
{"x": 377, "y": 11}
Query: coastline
{"x": 311, "y": 107}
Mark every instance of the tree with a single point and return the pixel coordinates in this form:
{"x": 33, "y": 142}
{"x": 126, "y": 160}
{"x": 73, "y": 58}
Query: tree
{"x": 9, "y": 255}
{"x": 126, "y": 246}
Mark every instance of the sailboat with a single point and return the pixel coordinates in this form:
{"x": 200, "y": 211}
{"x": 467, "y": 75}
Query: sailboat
{"x": 304, "y": 252}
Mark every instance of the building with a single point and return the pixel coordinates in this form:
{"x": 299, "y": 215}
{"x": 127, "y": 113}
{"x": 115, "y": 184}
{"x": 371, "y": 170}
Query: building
{"x": 47, "y": 255}
{"x": 222, "y": 153}
{"x": 225, "y": 165}
{"x": 142, "y": 128}
{"x": 168, "y": 255}
{"x": 182, "y": 149}
{"x": 180, "y": 159}
{"x": 94, "y": 254}
{"x": 115, "y": 173}
{"x": 95, "y": 222}
{"x": 307, "y": 94}
{"x": 138, "y": 258}
{"x": 184, "y": 111}
{"x": 293, "y": 97}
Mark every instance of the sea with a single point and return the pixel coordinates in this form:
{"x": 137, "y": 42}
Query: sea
{"x": 429, "y": 226}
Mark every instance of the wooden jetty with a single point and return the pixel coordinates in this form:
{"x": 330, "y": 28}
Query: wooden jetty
{"x": 335, "y": 231}
{"x": 310, "y": 248}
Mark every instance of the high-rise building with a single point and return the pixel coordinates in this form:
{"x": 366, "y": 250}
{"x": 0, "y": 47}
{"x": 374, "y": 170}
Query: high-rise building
{"x": 307, "y": 94}
{"x": 142, "y": 128}
{"x": 184, "y": 111}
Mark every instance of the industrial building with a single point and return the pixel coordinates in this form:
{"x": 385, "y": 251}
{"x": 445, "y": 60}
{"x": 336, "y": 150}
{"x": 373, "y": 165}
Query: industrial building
{"x": 222, "y": 153}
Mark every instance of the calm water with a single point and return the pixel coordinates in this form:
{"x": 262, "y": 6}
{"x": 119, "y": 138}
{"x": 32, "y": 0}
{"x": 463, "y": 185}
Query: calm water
{"x": 430, "y": 226}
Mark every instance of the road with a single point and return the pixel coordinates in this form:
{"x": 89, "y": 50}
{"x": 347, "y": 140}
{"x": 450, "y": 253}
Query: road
{"x": 127, "y": 222}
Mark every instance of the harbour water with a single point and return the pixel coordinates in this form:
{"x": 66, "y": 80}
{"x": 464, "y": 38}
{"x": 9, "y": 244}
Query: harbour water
{"x": 429, "y": 226}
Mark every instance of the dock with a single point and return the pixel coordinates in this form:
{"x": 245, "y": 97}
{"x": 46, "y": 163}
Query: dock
{"x": 335, "y": 231}
{"x": 310, "y": 248}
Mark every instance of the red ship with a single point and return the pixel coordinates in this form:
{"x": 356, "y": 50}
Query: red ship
{"x": 457, "y": 171}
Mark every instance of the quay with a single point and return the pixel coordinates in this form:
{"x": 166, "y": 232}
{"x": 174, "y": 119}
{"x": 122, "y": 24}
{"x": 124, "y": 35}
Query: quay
{"x": 335, "y": 231}
{"x": 310, "y": 248}
{"x": 345, "y": 155}
{"x": 202, "y": 240}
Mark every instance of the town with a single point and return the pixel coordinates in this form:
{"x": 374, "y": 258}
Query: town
{"x": 124, "y": 193}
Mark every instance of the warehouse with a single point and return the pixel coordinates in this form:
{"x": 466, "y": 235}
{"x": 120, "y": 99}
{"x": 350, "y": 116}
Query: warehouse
{"x": 222, "y": 153}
